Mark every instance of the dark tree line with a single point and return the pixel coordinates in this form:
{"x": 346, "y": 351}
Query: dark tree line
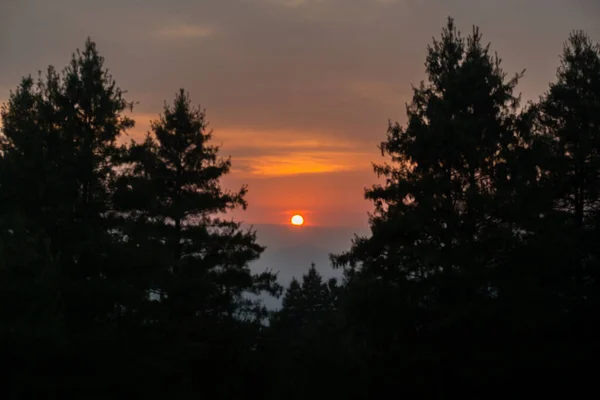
{"x": 117, "y": 273}
{"x": 121, "y": 275}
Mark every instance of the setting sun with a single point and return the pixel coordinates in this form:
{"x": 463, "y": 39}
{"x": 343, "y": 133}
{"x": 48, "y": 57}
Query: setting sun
{"x": 297, "y": 220}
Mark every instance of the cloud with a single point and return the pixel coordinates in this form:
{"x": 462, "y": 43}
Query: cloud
{"x": 292, "y": 88}
{"x": 186, "y": 31}
{"x": 295, "y": 3}
{"x": 276, "y": 152}
{"x": 278, "y": 138}
{"x": 376, "y": 91}
{"x": 298, "y": 163}
{"x": 273, "y": 153}
{"x": 301, "y": 3}
{"x": 386, "y": 2}
{"x": 312, "y": 11}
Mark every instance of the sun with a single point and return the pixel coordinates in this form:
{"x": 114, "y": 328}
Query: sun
{"x": 297, "y": 220}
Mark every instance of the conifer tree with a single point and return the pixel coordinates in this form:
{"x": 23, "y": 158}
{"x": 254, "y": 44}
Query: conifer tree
{"x": 446, "y": 220}
{"x": 58, "y": 146}
{"x": 439, "y": 214}
{"x": 92, "y": 108}
{"x": 569, "y": 119}
{"x": 569, "y": 114}
{"x": 173, "y": 210}
{"x": 303, "y": 303}
{"x": 302, "y": 341}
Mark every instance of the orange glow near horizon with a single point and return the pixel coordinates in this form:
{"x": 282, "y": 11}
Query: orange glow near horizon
{"x": 289, "y": 172}
{"x": 297, "y": 220}
{"x": 276, "y": 153}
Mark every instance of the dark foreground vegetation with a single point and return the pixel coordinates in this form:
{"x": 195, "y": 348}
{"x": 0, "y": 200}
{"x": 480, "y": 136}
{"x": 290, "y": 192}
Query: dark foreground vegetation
{"x": 122, "y": 277}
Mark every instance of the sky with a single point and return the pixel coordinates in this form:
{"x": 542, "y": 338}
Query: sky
{"x": 298, "y": 92}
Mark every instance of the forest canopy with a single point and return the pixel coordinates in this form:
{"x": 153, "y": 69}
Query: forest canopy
{"x": 121, "y": 274}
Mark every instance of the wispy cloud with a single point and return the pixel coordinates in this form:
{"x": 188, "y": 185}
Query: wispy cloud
{"x": 287, "y": 152}
{"x": 278, "y": 138}
{"x": 299, "y": 3}
{"x": 298, "y": 163}
{"x": 186, "y": 31}
{"x": 273, "y": 153}
{"x": 294, "y": 3}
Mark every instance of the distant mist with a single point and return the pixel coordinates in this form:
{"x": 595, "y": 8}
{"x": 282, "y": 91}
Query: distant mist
{"x": 291, "y": 250}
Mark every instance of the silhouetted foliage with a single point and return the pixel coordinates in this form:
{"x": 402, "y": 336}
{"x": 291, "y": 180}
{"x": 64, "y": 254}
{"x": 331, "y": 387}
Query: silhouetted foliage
{"x": 195, "y": 264}
{"x": 303, "y": 347}
{"x": 116, "y": 267}
{"x": 121, "y": 275}
{"x": 569, "y": 119}
{"x": 452, "y": 272}
{"x": 58, "y": 145}
{"x": 442, "y": 221}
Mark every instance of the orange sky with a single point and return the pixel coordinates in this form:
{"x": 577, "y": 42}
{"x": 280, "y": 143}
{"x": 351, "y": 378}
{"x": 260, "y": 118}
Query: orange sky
{"x": 288, "y": 173}
{"x": 298, "y": 92}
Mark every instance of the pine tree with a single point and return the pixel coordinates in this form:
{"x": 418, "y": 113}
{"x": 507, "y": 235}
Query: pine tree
{"x": 440, "y": 213}
{"x": 306, "y": 302}
{"x": 569, "y": 119}
{"x": 92, "y": 107}
{"x": 446, "y": 220}
{"x": 569, "y": 114}
{"x": 302, "y": 342}
{"x": 59, "y": 136}
{"x": 29, "y": 147}
{"x": 173, "y": 206}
